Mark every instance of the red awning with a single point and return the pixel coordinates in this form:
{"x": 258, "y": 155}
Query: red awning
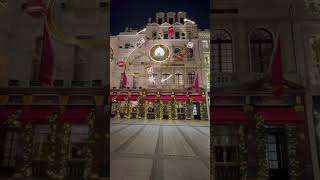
{"x": 198, "y": 98}
{"x": 37, "y": 114}
{"x": 4, "y": 114}
{"x": 75, "y": 114}
{"x": 134, "y": 98}
{"x": 280, "y": 115}
{"x": 181, "y": 98}
{"x": 227, "y": 115}
{"x": 150, "y": 98}
{"x": 165, "y": 98}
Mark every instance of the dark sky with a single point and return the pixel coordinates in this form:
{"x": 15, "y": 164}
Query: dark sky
{"x": 135, "y": 13}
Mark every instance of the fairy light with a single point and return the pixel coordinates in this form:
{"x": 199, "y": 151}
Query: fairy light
{"x": 188, "y": 20}
{"x": 165, "y": 79}
{"x": 143, "y": 30}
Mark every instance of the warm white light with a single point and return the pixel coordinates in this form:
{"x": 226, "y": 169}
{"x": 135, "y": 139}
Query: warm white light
{"x": 188, "y": 20}
{"x": 152, "y": 79}
{"x": 163, "y": 80}
{"x": 159, "y": 52}
{"x": 143, "y": 30}
{"x": 150, "y": 70}
{"x": 190, "y": 45}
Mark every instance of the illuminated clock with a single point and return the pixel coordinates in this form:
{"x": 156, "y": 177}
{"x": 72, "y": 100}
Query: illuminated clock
{"x": 159, "y": 53}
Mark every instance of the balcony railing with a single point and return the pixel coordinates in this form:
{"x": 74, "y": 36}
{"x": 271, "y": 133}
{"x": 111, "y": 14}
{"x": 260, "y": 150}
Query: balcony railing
{"x": 39, "y": 169}
{"x": 222, "y": 79}
{"x": 80, "y": 84}
{"x": 75, "y": 170}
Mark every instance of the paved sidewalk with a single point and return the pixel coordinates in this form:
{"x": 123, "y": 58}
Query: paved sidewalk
{"x": 159, "y": 150}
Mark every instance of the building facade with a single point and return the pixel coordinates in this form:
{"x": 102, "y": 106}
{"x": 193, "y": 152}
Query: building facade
{"x": 162, "y": 64}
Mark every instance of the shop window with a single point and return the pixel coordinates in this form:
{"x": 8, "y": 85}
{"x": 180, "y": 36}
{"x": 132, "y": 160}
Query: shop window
{"x": 40, "y": 142}
{"x": 78, "y": 141}
{"x": 10, "y": 149}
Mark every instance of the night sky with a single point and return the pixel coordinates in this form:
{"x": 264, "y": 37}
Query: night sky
{"x": 135, "y": 13}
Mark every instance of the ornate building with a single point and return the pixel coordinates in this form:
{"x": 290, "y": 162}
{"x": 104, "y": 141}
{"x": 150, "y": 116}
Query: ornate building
{"x": 162, "y": 65}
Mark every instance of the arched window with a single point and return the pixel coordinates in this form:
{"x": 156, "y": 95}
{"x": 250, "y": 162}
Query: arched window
{"x": 191, "y": 77}
{"x": 178, "y": 78}
{"x": 222, "y": 51}
{"x": 261, "y": 46}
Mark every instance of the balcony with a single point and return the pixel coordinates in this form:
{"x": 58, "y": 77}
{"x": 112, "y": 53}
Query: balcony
{"x": 222, "y": 79}
{"x": 35, "y": 83}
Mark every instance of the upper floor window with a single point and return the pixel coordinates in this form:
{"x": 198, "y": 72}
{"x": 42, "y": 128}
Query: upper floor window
{"x": 81, "y": 66}
{"x": 191, "y": 77}
{"x": 170, "y": 20}
{"x": 261, "y": 46}
{"x": 177, "y": 34}
{"x": 134, "y": 82}
{"x": 165, "y": 78}
{"x": 178, "y": 78}
{"x": 222, "y": 51}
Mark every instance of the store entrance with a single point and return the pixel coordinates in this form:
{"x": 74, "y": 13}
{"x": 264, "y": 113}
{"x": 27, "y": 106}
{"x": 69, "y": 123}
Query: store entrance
{"x": 196, "y": 110}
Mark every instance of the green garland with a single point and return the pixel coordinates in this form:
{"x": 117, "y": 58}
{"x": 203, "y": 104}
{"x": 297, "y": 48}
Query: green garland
{"x": 157, "y": 108}
{"x": 261, "y": 140}
{"x": 140, "y": 109}
{"x": 202, "y": 110}
{"x": 64, "y": 153}
{"x": 173, "y": 108}
{"x": 243, "y": 153}
{"x": 90, "y": 146}
{"x": 52, "y": 136}
{"x": 12, "y": 119}
{"x": 294, "y": 164}
{"x": 189, "y": 113}
{"x": 27, "y": 150}
{"x": 145, "y": 110}
{"x": 128, "y": 109}
{"x": 161, "y": 110}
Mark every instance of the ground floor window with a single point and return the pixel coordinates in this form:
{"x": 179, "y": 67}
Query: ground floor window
{"x": 9, "y": 148}
{"x": 78, "y": 141}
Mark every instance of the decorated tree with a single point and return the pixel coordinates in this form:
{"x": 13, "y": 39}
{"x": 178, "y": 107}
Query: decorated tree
{"x": 202, "y": 110}
{"x": 64, "y": 149}
{"x": 90, "y": 146}
{"x": 52, "y": 138}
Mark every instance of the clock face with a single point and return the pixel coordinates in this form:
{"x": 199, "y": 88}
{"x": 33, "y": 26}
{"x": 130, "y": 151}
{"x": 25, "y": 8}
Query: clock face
{"x": 159, "y": 53}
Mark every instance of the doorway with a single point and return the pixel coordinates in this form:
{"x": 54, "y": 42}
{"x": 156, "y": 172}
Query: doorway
{"x": 196, "y": 110}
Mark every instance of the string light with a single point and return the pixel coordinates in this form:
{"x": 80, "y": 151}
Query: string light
{"x": 188, "y": 20}
{"x": 165, "y": 79}
{"x": 143, "y": 30}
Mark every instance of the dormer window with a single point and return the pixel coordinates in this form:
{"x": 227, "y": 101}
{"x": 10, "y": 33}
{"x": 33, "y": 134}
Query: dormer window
{"x": 182, "y": 20}
{"x": 127, "y": 45}
{"x": 160, "y": 21}
{"x": 170, "y": 20}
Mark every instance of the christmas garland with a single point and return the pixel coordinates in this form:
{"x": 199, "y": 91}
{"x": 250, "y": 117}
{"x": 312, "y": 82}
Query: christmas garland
{"x": 118, "y": 110}
{"x": 202, "y": 109}
{"x": 27, "y": 150}
{"x": 52, "y": 136}
{"x": 294, "y": 164}
{"x": 169, "y": 108}
{"x": 243, "y": 153}
{"x": 261, "y": 140}
{"x": 189, "y": 113}
{"x": 64, "y": 153}
{"x": 145, "y": 110}
{"x": 140, "y": 109}
{"x": 157, "y": 108}
{"x": 161, "y": 110}
{"x": 12, "y": 119}
{"x": 128, "y": 109}
{"x": 90, "y": 146}
{"x": 173, "y": 108}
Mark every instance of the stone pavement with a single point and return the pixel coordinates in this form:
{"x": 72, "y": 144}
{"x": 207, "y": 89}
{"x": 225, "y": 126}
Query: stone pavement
{"x": 159, "y": 150}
